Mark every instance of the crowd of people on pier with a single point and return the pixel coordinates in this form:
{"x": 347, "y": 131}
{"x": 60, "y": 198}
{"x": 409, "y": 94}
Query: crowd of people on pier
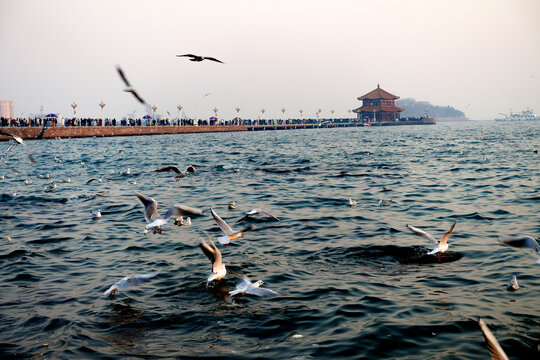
{"x": 50, "y": 122}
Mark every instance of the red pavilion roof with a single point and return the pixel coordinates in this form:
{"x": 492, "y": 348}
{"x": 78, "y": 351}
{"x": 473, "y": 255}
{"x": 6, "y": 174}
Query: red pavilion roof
{"x": 379, "y": 108}
{"x": 378, "y": 93}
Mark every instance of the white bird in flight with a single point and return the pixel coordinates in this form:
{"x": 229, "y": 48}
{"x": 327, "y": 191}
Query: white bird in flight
{"x": 439, "y": 247}
{"x": 155, "y": 220}
{"x": 524, "y": 242}
{"x": 495, "y": 350}
{"x": 384, "y": 203}
{"x": 244, "y": 286}
{"x": 230, "y": 234}
{"x": 257, "y": 212}
{"x": 127, "y": 282}
{"x": 129, "y": 88}
{"x": 214, "y": 255}
{"x": 18, "y": 141}
{"x": 180, "y": 174}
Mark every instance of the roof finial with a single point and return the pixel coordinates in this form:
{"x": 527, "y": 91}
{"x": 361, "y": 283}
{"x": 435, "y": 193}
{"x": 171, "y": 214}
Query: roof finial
{"x": 378, "y": 86}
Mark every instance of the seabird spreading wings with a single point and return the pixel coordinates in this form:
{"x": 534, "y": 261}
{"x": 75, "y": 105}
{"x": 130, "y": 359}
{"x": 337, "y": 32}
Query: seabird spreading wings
{"x": 214, "y": 255}
{"x": 180, "y": 174}
{"x": 439, "y": 247}
{"x": 244, "y": 286}
{"x": 127, "y": 282}
{"x": 129, "y": 88}
{"x": 257, "y": 212}
{"x": 199, "y": 58}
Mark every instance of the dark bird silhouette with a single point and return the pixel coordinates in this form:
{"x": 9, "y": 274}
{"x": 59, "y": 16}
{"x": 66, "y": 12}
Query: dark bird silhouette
{"x": 200, "y": 58}
{"x": 129, "y": 87}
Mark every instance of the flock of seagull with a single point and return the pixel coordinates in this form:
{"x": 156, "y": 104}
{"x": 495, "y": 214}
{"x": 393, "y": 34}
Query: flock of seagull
{"x": 219, "y": 271}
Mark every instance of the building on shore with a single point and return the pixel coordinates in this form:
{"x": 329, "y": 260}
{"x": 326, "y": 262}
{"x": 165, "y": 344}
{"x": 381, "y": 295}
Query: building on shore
{"x": 378, "y": 106}
{"x": 6, "y": 109}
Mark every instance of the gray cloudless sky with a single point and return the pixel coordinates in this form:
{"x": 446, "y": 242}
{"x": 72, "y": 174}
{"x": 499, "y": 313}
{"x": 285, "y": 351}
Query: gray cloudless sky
{"x": 482, "y": 57}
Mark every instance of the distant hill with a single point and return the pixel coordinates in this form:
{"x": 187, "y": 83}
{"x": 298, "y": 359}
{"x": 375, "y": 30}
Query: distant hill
{"x": 415, "y": 108}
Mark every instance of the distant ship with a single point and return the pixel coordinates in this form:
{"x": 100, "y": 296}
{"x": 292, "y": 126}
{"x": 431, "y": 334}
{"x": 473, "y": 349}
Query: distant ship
{"x": 526, "y": 115}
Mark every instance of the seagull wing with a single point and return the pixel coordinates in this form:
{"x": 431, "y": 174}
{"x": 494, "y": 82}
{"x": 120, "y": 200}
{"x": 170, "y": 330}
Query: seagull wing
{"x": 122, "y": 75}
{"x": 222, "y": 224}
{"x": 495, "y": 350}
{"x": 245, "y": 217}
{"x": 258, "y": 291}
{"x": 150, "y": 206}
{"x": 424, "y": 234}
{"x": 207, "y": 250}
{"x": 447, "y": 235}
{"x": 182, "y": 210}
{"x": 217, "y": 258}
{"x": 213, "y": 59}
{"x": 523, "y": 241}
{"x": 139, "y": 279}
{"x": 169, "y": 168}
{"x": 190, "y": 169}
{"x": 268, "y": 214}
{"x": 188, "y": 55}
{"x": 138, "y": 97}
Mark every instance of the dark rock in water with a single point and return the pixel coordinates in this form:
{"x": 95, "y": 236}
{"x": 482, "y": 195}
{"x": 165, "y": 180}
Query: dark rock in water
{"x": 446, "y": 257}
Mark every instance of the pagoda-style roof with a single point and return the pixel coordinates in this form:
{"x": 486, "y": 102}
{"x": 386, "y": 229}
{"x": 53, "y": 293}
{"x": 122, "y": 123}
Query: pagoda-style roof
{"x": 378, "y": 108}
{"x": 378, "y": 93}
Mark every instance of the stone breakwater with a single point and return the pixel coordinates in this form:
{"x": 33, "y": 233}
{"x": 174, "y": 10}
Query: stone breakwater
{"x": 103, "y": 131}
{"x": 81, "y": 132}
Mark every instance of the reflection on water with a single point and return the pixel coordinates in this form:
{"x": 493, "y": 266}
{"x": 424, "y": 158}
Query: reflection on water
{"x": 353, "y": 281}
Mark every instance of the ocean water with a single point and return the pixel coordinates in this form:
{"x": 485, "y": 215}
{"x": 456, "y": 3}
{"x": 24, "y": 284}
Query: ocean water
{"x": 349, "y": 283}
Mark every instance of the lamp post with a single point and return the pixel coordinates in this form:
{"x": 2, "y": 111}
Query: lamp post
{"x": 302, "y": 115}
{"x": 262, "y": 113}
{"x": 332, "y": 112}
{"x": 319, "y": 111}
{"x": 215, "y": 110}
{"x": 74, "y": 106}
{"x": 154, "y": 108}
{"x": 102, "y": 105}
{"x": 283, "y": 111}
{"x": 238, "y": 115}
{"x": 179, "y": 107}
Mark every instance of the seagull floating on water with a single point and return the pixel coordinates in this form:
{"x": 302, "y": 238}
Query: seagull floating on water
{"x": 257, "y": 212}
{"x": 352, "y": 202}
{"x": 212, "y": 252}
{"x": 384, "y": 203}
{"x": 129, "y": 88}
{"x": 27, "y": 182}
{"x": 199, "y": 58}
{"x": 513, "y": 284}
{"x": 495, "y": 350}
{"x": 439, "y": 247}
{"x": 51, "y": 187}
{"x": 231, "y": 206}
{"x": 94, "y": 179}
{"x": 96, "y": 214}
{"x": 180, "y": 174}
{"x": 230, "y": 234}
{"x": 155, "y": 220}
{"x": 128, "y": 282}
{"x": 244, "y": 286}
{"x": 524, "y": 242}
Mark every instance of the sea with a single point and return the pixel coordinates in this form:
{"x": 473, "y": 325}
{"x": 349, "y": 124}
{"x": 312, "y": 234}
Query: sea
{"x": 353, "y": 282}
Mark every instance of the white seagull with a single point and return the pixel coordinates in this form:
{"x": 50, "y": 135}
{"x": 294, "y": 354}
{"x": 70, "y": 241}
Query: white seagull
{"x": 96, "y": 214}
{"x": 513, "y": 284}
{"x": 129, "y": 88}
{"x": 18, "y": 141}
{"x": 524, "y": 242}
{"x": 155, "y": 220}
{"x": 439, "y": 247}
{"x": 230, "y": 234}
{"x": 257, "y": 212}
{"x": 352, "y": 202}
{"x": 384, "y": 203}
{"x": 244, "y": 286}
{"x": 180, "y": 174}
{"x": 495, "y": 350}
{"x": 127, "y": 282}
{"x": 212, "y": 252}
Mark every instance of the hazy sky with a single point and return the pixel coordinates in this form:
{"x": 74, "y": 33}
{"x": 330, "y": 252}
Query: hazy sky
{"x": 482, "y": 57}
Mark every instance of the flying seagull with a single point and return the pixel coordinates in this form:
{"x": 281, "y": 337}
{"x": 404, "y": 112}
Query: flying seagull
{"x": 127, "y": 282}
{"x": 495, "y": 350}
{"x": 180, "y": 174}
{"x": 524, "y": 242}
{"x": 199, "y": 58}
{"x": 17, "y": 141}
{"x": 129, "y": 87}
{"x": 212, "y": 252}
{"x": 257, "y": 212}
{"x": 245, "y": 286}
{"x": 230, "y": 234}
{"x": 439, "y": 247}
{"x": 155, "y": 220}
